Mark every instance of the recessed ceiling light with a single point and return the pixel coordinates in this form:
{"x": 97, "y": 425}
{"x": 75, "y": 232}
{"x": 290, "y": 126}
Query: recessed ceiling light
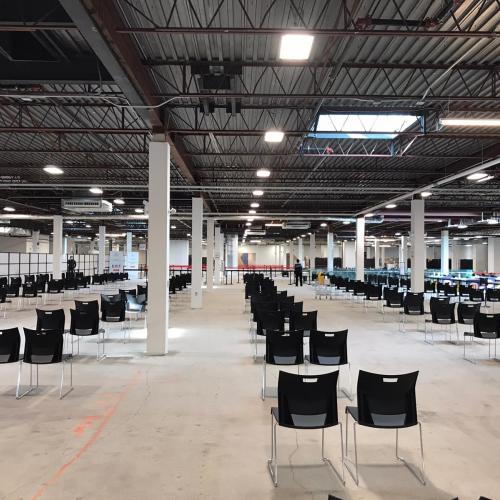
{"x": 258, "y": 192}
{"x": 323, "y": 224}
{"x": 252, "y": 211}
{"x": 255, "y": 205}
{"x": 173, "y": 227}
{"x": 462, "y": 226}
{"x": 302, "y": 235}
{"x": 250, "y": 219}
{"x": 263, "y": 172}
{"x": 118, "y": 201}
{"x": 492, "y": 221}
{"x": 391, "y": 205}
{"x": 470, "y": 122}
{"x": 9, "y": 209}
{"x": 52, "y": 169}
{"x": 248, "y": 224}
{"x": 69, "y": 222}
{"x": 476, "y": 176}
{"x": 88, "y": 225}
{"x": 189, "y": 234}
{"x": 95, "y": 190}
{"x": 484, "y": 179}
{"x": 369, "y": 215}
{"x": 425, "y": 194}
{"x": 139, "y": 210}
{"x": 274, "y": 136}
{"x": 296, "y": 47}
{"x": 346, "y": 222}
{"x": 397, "y": 234}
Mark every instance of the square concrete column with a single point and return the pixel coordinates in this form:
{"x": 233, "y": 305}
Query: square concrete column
{"x": 403, "y": 255}
{"x": 312, "y": 250}
{"x": 418, "y": 250}
{"x": 445, "y": 252}
{"x": 196, "y": 246}
{"x": 217, "y": 255}
{"x": 57, "y": 243}
{"x": 35, "y": 241}
{"x": 129, "y": 243}
{"x": 290, "y": 254}
{"x": 301, "y": 251}
{"x": 376, "y": 249}
{"x": 158, "y": 247}
{"x": 330, "y": 242}
{"x": 210, "y": 253}
{"x": 360, "y": 248}
{"x": 102, "y": 248}
{"x": 493, "y": 254}
{"x": 233, "y": 261}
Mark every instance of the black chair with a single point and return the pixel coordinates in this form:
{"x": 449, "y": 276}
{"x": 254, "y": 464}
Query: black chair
{"x": 305, "y": 321}
{"x": 305, "y": 402}
{"x": 330, "y": 349}
{"x": 385, "y": 402}
{"x": 44, "y": 347}
{"x": 493, "y": 296}
{"x": 413, "y": 305}
{"x": 50, "y": 320}
{"x": 393, "y": 299}
{"x": 3, "y": 300}
{"x": 113, "y": 310}
{"x": 12, "y": 292}
{"x": 373, "y": 294}
{"x": 476, "y": 295}
{"x": 429, "y": 287}
{"x": 466, "y": 314}
{"x": 282, "y": 348}
{"x": 85, "y": 323}
{"x": 142, "y": 290}
{"x": 135, "y": 306}
{"x": 10, "y": 345}
{"x": 54, "y": 288}
{"x": 91, "y": 306}
{"x": 442, "y": 313}
{"x": 486, "y": 327}
{"x": 30, "y": 292}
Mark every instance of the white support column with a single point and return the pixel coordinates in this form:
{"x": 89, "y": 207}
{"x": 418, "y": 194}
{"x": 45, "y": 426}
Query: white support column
{"x": 418, "y": 250}
{"x": 403, "y": 255}
{"x": 493, "y": 254}
{"x": 197, "y": 235}
{"x": 57, "y": 241}
{"x": 234, "y": 250}
{"x": 217, "y": 255}
{"x": 102, "y": 248}
{"x": 445, "y": 252}
{"x": 344, "y": 252}
{"x": 158, "y": 247}
{"x": 312, "y": 250}
{"x": 129, "y": 243}
{"x": 382, "y": 256}
{"x": 35, "y": 240}
{"x": 290, "y": 253}
{"x": 301, "y": 251}
{"x": 360, "y": 248}
{"x": 210, "y": 253}
{"x": 330, "y": 245}
{"x": 377, "y": 253}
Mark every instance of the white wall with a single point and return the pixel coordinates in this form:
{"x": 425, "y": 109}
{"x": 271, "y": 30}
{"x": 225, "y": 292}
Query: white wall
{"x": 480, "y": 253}
{"x": 349, "y": 257}
{"x": 13, "y": 244}
{"x": 179, "y": 252}
{"x": 264, "y": 254}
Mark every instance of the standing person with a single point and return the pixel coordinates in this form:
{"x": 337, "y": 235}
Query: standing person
{"x": 298, "y": 273}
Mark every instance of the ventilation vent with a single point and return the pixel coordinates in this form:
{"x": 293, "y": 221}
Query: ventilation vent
{"x": 83, "y": 205}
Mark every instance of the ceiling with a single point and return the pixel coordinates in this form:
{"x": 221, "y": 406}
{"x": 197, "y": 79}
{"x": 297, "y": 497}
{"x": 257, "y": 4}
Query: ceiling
{"x": 84, "y": 85}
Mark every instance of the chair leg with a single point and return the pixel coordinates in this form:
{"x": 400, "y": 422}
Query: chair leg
{"x": 31, "y": 386}
{"x": 327, "y": 461}
{"x": 355, "y": 474}
{"x": 272, "y": 463}
{"x": 420, "y": 474}
{"x": 263, "y": 392}
{"x": 61, "y": 395}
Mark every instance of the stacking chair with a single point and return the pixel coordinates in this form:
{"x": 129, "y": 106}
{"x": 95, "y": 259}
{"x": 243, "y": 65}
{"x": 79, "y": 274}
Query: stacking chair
{"x": 88, "y": 306}
{"x": 476, "y": 295}
{"x": 134, "y": 306}
{"x": 282, "y": 349}
{"x": 10, "y": 345}
{"x": 305, "y": 402}
{"x": 466, "y": 314}
{"x": 487, "y": 327}
{"x": 442, "y": 313}
{"x": 464, "y": 292}
{"x": 3, "y": 301}
{"x": 124, "y": 293}
{"x": 44, "y": 347}
{"x": 373, "y": 294}
{"x": 50, "y": 320}
{"x": 493, "y": 296}
{"x": 268, "y": 320}
{"x": 359, "y": 290}
{"x": 413, "y": 305}
{"x": 142, "y": 290}
{"x": 54, "y": 288}
{"x": 330, "y": 349}
{"x": 429, "y": 288}
{"x": 30, "y": 292}
{"x": 70, "y": 286}
{"x": 85, "y": 323}
{"x": 385, "y": 402}
{"x": 12, "y": 292}
{"x": 113, "y": 310}
{"x": 306, "y": 321}
{"x": 82, "y": 284}
{"x": 393, "y": 300}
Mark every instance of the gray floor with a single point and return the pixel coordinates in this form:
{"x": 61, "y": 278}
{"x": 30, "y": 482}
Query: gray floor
{"x": 191, "y": 424}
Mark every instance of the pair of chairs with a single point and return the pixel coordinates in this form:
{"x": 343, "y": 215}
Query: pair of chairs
{"x": 286, "y": 348}
{"x": 41, "y": 347}
{"x": 486, "y": 327}
{"x": 309, "y": 402}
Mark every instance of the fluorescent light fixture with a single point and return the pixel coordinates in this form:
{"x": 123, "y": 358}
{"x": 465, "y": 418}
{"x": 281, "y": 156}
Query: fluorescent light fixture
{"x": 78, "y": 236}
{"x": 369, "y": 215}
{"x": 397, "y": 234}
{"x": 9, "y": 209}
{"x": 88, "y": 225}
{"x": 248, "y": 224}
{"x": 425, "y": 194}
{"x": 323, "y": 224}
{"x": 52, "y": 169}
{"x": 296, "y": 47}
{"x": 462, "y": 226}
{"x": 118, "y": 201}
{"x": 302, "y": 235}
{"x": 492, "y": 221}
{"x": 345, "y": 222}
{"x": 189, "y": 234}
{"x": 477, "y": 176}
{"x": 255, "y": 241}
{"x": 274, "y": 136}
{"x": 274, "y": 224}
{"x": 95, "y": 190}
{"x": 139, "y": 210}
{"x": 252, "y": 211}
{"x": 250, "y": 219}
{"x": 69, "y": 222}
{"x": 470, "y": 122}
{"x": 484, "y": 179}
{"x": 255, "y": 205}
{"x": 391, "y": 205}
{"x": 258, "y": 192}
{"x": 263, "y": 172}
{"x": 173, "y": 227}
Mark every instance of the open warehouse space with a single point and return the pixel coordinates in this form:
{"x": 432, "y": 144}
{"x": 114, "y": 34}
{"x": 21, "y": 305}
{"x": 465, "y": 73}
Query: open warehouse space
{"x": 249, "y": 249}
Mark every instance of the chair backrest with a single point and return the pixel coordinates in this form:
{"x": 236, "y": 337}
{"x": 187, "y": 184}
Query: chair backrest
{"x": 29, "y": 289}
{"x": 55, "y": 286}
{"x": 88, "y": 306}
{"x": 414, "y": 303}
{"x": 493, "y": 294}
{"x": 270, "y": 320}
{"x": 476, "y": 295}
{"x": 84, "y": 322}
{"x": 124, "y": 293}
{"x": 435, "y": 301}
{"x": 284, "y": 348}
{"x": 487, "y": 325}
{"x": 50, "y": 320}
{"x": 142, "y": 290}
{"x": 467, "y": 312}
{"x": 71, "y": 284}
{"x": 43, "y": 347}
{"x": 10, "y": 344}
{"x": 307, "y": 401}
{"x": 328, "y": 348}
{"x": 114, "y": 310}
{"x": 306, "y": 321}
{"x": 387, "y": 400}
{"x": 393, "y": 298}
{"x": 442, "y": 311}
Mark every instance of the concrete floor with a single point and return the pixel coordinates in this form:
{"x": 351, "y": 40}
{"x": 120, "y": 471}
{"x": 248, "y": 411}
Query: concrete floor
{"x": 192, "y": 425}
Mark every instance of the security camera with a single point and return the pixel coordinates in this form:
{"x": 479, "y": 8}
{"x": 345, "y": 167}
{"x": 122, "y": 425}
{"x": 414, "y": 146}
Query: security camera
{"x": 173, "y": 211}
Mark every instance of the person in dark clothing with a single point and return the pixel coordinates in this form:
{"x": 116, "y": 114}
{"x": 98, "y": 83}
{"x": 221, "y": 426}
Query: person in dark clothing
{"x": 298, "y": 273}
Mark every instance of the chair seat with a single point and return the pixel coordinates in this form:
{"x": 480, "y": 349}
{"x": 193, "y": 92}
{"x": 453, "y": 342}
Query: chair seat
{"x": 303, "y": 421}
{"x": 380, "y": 421}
